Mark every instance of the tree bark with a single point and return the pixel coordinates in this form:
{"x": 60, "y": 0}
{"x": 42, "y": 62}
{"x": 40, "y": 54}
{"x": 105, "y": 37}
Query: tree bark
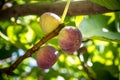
{"x": 76, "y": 8}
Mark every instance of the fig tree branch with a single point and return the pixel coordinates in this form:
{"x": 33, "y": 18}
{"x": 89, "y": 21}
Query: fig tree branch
{"x": 76, "y": 8}
{"x": 85, "y": 66}
{"x": 29, "y": 52}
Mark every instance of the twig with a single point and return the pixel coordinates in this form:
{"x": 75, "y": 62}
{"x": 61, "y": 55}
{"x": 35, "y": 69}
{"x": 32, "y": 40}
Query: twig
{"x": 86, "y": 40}
{"x": 32, "y": 50}
{"x": 41, "y": 75}
{"x": 85, "y": 67}
{"x": 4, "y": 36}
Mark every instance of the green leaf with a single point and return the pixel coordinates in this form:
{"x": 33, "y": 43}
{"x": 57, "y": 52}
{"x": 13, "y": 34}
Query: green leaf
{"x": 70, "y": 21}
{"x": 6, "y": 51}
{"x": 101, "y": 72}
{"x": 53, "y": 41}
{"x": 35, "y": 26}
{"x": 110, "y": 4}
{"x": 92, "y": 27}
{"x": 11, "y": 34}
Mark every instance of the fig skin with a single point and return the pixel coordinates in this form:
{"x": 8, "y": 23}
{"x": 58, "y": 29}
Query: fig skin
{"x": 46, "y": 57}
{"x": 49, "y": 21}
{"x": 69, "y": 39}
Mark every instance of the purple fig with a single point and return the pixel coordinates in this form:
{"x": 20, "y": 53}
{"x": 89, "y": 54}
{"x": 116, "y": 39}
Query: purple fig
{"x": 69, "y": 39}
{"x": 46, "y": 57}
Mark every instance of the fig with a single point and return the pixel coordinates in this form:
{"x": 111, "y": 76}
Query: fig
{"x": 69, "y": 39}
{"x": 49, "y": 21}
{"x": 46, "y": 57}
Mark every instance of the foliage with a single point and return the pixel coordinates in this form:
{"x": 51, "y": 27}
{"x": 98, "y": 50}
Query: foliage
{"x": 101, "y": 36}
{"x": 111, "y": 4}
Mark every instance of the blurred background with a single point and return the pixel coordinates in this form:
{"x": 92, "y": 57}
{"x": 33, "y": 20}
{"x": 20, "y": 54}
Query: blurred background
{"x": 97, "y": 59}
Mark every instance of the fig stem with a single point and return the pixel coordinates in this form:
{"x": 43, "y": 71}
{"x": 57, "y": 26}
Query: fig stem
{"x": 86, "y": 68}
{"x": 65, "y": 11}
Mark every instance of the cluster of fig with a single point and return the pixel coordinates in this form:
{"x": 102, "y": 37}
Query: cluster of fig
{"x": 69, "y": 40}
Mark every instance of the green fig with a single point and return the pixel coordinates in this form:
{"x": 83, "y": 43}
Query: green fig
{"x": 49, "y": 21}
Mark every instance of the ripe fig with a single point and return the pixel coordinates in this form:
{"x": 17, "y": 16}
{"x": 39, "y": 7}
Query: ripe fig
{"x": 49, "y": 21}
{"x": 46, "y": 57}
{"x": 69, "y": 39}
